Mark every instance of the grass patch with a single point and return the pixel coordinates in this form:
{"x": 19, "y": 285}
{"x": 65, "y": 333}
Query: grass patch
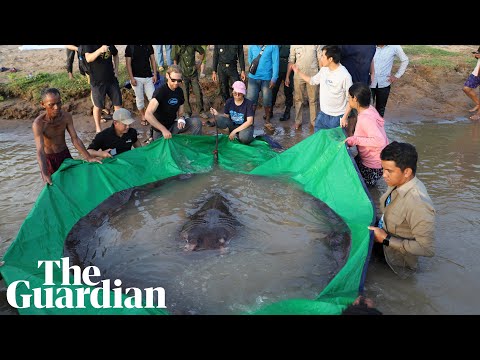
{"x": 438, "y": 58}
{"x": 30, "y": 87}
{"x": 425, "y": 50}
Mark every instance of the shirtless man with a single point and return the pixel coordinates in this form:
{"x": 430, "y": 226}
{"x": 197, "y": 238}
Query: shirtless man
{"x": 49, "y": 134}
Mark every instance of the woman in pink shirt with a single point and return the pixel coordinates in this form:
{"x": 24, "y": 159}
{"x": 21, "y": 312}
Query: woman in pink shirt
{"x": 369, "y": 136}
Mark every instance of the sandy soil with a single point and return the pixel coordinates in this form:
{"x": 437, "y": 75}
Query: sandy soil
{"x": 421, "y": 93}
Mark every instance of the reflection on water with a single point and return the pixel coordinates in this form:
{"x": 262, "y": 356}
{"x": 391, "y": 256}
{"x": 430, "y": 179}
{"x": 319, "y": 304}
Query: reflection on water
{"x": 282, "y": 248}
{"x": 449, "y": 165}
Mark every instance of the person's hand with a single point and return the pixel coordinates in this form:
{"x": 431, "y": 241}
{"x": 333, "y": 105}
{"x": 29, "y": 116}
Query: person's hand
{"x": 287, "y": 82}
{"x": 232, "y": 135}
{"x": 272, "y": 84}
{"x": 213, "y": 111}
{"x": 104, "y": 48}
{"x": 105, "y": 153}
{"x": 166, "y": 134}
{"x": 180, "y": 124}
{"x": 154, "y": 80}
{"x": 243, "y": 76}
{"x": 47, "y": 178}
{"x": 93, "y": 159}
{"x": 392, "y": 79}
{"x": 133, "y": 82}
{"x": 343, "y": 121}
{"x": 214, "y": 75}
{"x": 379, "y": 234}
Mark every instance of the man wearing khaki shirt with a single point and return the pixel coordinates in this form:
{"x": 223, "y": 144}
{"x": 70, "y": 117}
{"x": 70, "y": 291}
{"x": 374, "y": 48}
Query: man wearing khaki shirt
{"x": 306, "y": 57}
{"x": 406, "y": 229}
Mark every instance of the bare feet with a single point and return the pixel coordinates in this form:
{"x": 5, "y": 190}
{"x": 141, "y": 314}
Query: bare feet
{"x": 475, "y": 117}
{"x": 474, "y": 109}
{"x": 70, "y": 76}
{"x": 298, "y": 126}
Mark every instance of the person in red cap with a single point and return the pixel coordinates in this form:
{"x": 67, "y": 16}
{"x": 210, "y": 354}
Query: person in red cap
{"x": 238, "y": 115}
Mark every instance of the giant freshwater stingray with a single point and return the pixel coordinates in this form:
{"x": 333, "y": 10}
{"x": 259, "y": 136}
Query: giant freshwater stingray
{"x": 211, "y": 227}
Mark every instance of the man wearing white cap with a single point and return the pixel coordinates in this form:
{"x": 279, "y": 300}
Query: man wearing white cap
{"x": 238, "y": 115}
{"x": 118, "y": 138}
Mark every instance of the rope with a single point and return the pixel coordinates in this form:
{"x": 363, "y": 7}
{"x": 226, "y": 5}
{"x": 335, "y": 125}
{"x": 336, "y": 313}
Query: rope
{"x": 215, "y": 152}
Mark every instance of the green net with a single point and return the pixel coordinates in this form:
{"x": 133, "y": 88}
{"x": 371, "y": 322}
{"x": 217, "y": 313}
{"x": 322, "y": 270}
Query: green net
{"x": 320, "y": 164}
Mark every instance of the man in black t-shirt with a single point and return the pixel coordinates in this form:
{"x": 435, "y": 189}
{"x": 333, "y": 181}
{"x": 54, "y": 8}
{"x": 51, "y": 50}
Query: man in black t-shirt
{"x": 165, "y": 110}
{"x": 103, "y": 63}
{"x": 116, "y": 139}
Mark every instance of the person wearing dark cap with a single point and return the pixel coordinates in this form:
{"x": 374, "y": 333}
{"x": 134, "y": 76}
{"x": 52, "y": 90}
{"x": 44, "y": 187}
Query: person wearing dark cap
{"x": 116, "y": 139}
{"x": 238, "y": 115}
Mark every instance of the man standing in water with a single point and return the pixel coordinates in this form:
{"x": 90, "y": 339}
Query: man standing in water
{"x": 49, "y": 134}
{"x": 406, "y": 229}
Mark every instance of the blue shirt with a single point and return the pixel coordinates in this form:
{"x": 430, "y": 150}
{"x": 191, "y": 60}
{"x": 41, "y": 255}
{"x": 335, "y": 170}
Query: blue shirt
{"x": 269, "y": 62}
{"x": 239, "y": 113}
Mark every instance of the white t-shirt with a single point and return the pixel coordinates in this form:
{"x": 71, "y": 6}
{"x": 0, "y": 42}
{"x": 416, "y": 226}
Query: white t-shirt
{"x": 334, "y": 87}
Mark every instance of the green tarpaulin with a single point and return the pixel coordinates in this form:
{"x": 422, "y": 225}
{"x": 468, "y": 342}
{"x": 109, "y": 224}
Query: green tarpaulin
{"x": 320, "y": 164}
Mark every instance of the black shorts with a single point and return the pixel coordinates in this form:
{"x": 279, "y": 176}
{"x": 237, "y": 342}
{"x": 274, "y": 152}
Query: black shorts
{"x": 112, "y": 90}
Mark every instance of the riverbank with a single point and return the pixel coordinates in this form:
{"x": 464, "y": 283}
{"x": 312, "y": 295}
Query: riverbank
{"x": 431, "y": 86}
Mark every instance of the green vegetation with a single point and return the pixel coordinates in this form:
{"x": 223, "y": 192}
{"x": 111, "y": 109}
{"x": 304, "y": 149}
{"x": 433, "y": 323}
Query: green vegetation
{"x": 29, "y": 87}
{"x": 429, "y": 56}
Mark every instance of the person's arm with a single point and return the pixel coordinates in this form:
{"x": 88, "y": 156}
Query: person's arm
{"x": 116, "y": 61}
{"x": 372, "y": 72}
{"x": 291, "y": 61}
{"x": 241, "y": 61}
{"x": 421, "y": 218}
{"x": 403, "y": 64}
{"x": 246, "y": 124}
{"x": 275, "y": 64}
{"x": 37, "y": 129}
{"x": 151, "y": 108}
{"x": 153, "y": 65}
{"x": 128, "y": 63}
{"x": 180, "y": 116}
{"x": 347, "y": 84}
{"x": 77, "y": 142}
{"x": 373, "y": 137}
{"x": 174, "y": 54}
{"x": 91, "y": 57}
{"x": 137, "y": 143}
{"x": 215, "y": 62}
{"x": 72, "y": 47}
{"x": 100, "y": 153}
{"x": 305, "y": 77}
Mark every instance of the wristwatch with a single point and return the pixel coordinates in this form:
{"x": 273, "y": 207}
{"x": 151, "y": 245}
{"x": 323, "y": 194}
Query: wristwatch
{"x": 386, "y": 241}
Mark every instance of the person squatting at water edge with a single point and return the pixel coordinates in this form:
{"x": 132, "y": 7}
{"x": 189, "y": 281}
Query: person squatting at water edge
{"x": 406, "y": 229}
{"x": 116, "y": 139}
{"x": 49, "y": 134}
{"x": 238, "y": 115}
{"x": 167, "y": 102}
{"x": 369, "y": 136}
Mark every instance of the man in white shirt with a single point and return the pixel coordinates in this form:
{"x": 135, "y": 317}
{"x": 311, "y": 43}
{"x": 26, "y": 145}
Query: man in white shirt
{"x": 334, "y": 81}
{"x": 382, "y": 76}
